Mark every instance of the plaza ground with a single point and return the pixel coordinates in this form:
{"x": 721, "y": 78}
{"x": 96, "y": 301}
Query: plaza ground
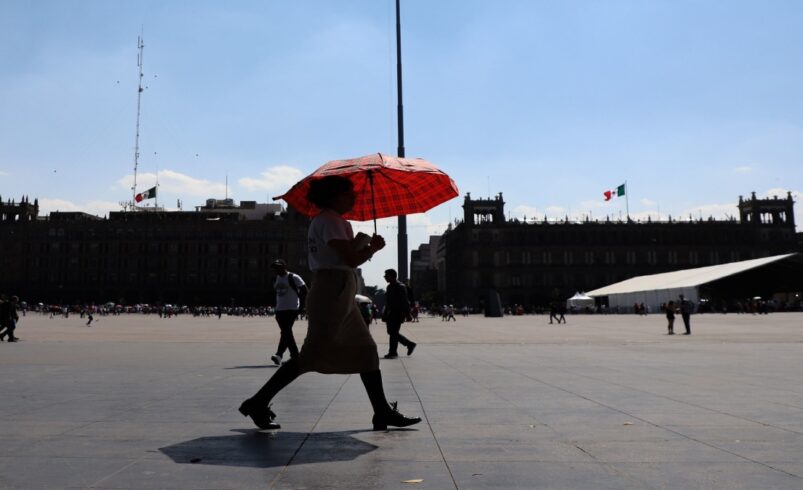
{"x": 603, "y": 402}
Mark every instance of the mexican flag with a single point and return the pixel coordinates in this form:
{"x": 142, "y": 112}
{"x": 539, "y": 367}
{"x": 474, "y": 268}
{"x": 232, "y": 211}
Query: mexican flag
{"x": 149, "y": 194}
{"x": 619, "y": 191}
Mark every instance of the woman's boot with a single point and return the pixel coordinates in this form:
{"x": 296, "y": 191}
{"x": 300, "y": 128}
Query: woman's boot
{"x": 257, "y": 407}
{"x": 384, "y": 414}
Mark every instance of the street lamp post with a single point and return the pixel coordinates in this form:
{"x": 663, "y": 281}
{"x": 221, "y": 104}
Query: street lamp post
{"x": 402, "y": 237}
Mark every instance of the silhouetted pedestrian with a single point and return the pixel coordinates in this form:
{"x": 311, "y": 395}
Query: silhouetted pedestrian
{"x": 561, "y": 313}
{"x": 8, "y": 318}
{"x": 291, "y": 292}
{"x": 338, "y": 340}
{"x": 686, "y": 308}
{"x": 397, "y": 310}
{"x": 670, "y": 317}
{"x": 553, "y": 312}
{"x": 450, "y": 313}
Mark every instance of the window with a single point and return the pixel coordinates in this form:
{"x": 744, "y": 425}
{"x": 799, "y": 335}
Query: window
{"x": 672, "y": 257}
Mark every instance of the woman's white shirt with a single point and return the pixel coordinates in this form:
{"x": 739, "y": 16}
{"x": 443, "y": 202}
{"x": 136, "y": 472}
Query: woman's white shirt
{"x": 325, "y": 227}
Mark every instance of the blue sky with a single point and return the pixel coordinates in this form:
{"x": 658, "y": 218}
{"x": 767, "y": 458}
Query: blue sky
{"x": 693, "y": 103}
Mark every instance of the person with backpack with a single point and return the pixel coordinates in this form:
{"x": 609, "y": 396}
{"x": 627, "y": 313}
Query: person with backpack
{"x": 291, "y": 293}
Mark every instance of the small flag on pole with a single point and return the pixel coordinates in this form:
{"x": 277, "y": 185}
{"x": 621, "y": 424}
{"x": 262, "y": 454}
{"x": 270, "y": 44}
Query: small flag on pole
{"x": 149, "y": 194}
{"x": 610, "y": 194}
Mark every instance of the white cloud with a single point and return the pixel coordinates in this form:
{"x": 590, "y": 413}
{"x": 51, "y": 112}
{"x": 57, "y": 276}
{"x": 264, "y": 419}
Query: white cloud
{"x": 744, "y": 169}
{"x": 716, "y": 211}
{"x": 277, "y": 178}
{"x": 4, "y": 174}
{"x": 176, "y": 183}
{"x": 781, "y": 193}
{"x": 648, "y": 202}
{"x": 555, "y": 210}
{"x": 648, "y": 216}
{"x": 98, "y": 208}
{"x": 523, "y": 210}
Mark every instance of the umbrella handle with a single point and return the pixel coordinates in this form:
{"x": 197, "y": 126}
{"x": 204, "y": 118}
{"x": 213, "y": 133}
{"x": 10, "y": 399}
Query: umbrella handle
{"x": 373, "y": 203}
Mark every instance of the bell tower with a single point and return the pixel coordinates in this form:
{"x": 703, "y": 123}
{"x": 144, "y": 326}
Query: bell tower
{"x": 17, "y": 212}
{"x": 768, "y": 212}
{"x": 482, "y": 211}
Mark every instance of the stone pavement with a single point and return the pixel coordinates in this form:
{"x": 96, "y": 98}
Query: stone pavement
{"x": 605, "y": 402}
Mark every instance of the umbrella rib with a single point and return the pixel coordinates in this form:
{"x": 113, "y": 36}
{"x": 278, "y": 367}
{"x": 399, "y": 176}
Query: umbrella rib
{"x": 373, "y": 200}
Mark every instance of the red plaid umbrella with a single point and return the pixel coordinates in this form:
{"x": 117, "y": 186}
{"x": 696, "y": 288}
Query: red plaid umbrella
{"x": 385, "y": 186}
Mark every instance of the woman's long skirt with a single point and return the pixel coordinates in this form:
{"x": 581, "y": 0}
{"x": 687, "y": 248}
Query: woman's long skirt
{"x": 338, "y": 340}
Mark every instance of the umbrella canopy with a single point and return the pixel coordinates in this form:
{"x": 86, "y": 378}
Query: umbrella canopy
{"x": 384, "y": 186}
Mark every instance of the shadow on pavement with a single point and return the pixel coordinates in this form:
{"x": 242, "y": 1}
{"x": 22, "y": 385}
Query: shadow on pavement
{"x": 262, "y": 366}
{"x": 257, "y": 449}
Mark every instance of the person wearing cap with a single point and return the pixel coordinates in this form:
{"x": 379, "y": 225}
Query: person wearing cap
{"x": 338, "y": 340}
{"x": 290, "y": 294}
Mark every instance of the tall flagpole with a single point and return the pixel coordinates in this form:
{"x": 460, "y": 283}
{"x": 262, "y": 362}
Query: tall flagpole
{"x": 402, "y": 237}
{"x": 627, "y": 202}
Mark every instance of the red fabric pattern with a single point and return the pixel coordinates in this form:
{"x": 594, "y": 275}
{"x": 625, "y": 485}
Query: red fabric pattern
{"x": 401, "y": 186}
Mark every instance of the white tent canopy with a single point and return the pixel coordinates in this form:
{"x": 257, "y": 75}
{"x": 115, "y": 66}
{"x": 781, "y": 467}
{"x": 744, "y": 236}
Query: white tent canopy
{"x": 580, "y": 300}
{"x": 655, "y": 289}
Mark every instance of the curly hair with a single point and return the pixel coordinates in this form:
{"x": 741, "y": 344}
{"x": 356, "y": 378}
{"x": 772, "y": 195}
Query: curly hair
{"x": 322, "y": 192}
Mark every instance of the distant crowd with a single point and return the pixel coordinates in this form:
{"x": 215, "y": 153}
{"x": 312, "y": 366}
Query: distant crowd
{"x": 162, "y": 311}
{"x": 371, "y": 311}
{"x": 755, "y": 306}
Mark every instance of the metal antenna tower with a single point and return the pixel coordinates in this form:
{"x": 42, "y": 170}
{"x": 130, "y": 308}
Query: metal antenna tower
{"x": 140, "y": 47}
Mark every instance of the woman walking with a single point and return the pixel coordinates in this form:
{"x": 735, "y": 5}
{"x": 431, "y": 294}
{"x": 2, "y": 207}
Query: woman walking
{"x": 338, "y": 340}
